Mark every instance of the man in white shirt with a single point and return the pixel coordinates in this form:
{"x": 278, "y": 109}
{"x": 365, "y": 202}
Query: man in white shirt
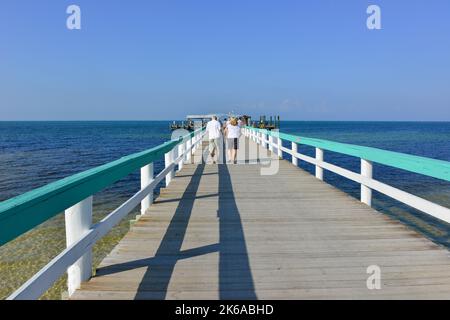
{"x": 213, "y": 128}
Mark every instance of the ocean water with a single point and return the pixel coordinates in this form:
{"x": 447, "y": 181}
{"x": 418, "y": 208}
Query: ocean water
{"x": 33, "y": 154}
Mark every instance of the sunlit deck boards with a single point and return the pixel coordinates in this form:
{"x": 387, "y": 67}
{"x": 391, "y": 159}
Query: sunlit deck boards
{"x": 227, "y": 232}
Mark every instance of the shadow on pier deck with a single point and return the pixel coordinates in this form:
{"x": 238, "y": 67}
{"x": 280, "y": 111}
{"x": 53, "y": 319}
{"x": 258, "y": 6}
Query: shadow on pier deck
{"x": 228, "y": 232}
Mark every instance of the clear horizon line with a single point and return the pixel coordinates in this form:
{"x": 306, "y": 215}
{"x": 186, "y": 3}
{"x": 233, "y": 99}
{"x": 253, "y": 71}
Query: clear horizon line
{"x": 291, "y": 120}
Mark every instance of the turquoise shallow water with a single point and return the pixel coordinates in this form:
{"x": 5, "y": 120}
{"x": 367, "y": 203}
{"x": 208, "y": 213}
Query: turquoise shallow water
{"x": 33, "y": 154}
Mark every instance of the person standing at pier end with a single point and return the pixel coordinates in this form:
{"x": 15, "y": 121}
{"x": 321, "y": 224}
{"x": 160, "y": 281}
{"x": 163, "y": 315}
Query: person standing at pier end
{"x": 214, "y": 129}
{"x": 233, "y": 133}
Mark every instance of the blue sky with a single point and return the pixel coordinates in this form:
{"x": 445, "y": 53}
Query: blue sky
{"x": 152, "y": 59}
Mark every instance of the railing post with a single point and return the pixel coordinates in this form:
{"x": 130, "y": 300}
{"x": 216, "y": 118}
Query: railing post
{"x": 168, "y": 159}
{"x": 280, "y": 143}
{"x": 180, "y": 152}
{"x": 270, "y": 142}
{"x": 263, "y": 140}
{"x": 367, "y": 172}
{"x": 194, "y": 142}
{"x": 188, "y": 153}
{"x": 294, "y": 151}
{"x": 173, "y": 157}
{"x": 78, "y": 219}
{"x": 147, "y": 174}
{"x": 197, "y": 138}
{"x": 319, "y": 157}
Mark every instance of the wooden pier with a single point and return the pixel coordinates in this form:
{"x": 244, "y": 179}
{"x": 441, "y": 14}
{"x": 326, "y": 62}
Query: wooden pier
{"x": 228, "y": 232}
{"x": 261, "y": 229}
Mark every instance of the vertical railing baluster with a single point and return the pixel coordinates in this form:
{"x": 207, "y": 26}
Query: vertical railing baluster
{"x": 78, "y": 220}
{"x": 147, "y": 174}
{"x": 319, "y": 170}
{"x": 263, "y": 140}
{"x": 173, "y": 157}
{"x": 168, "y": 159}
{"x": 280, "y": 143}
{"x": 180, "y": 152}
{"x": 197, "y": 144}
{"x": 188, "y": 151}
{"x": 366, "y": 172}
{"x": 196, "y": 141}
{"x": 294, "y": 151}
{"x": 270, "y": 142}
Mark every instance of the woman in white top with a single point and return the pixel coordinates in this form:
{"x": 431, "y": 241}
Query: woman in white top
{"x": 233, "y": 132}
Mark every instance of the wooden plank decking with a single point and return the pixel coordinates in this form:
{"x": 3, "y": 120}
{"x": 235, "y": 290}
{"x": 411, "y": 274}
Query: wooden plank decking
{"x": 227, "y": 232}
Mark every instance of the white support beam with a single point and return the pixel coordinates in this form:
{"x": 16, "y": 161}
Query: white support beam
{"x": 147, "y": 173}
{"x": 319, "y": 158}
{"x": 168, "y": 160}
{"x": 366, "y": 192}
{"x": 181, "y": 148}
{"x": 280, "y": 144}
{"x": 194, "y": 145}
{"x": 263, "y": 140}
{"x": 78, "y": 219}
{"x": 294, "y": 151}
{"x": 188, "y": 156}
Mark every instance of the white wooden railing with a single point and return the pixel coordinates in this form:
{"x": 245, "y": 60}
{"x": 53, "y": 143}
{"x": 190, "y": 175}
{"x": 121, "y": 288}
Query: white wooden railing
{"x": 81, "y": 234}
{"x": 426, "y": 166}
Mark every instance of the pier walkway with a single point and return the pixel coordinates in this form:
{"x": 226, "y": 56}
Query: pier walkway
{"x": 228, "y": 232}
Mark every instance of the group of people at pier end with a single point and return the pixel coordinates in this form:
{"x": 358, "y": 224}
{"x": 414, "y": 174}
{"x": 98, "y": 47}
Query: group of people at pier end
{"x": 230, "y": 130}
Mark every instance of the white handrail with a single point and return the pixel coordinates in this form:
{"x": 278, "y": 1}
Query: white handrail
{"x": 364, "y": 178}
{"x": 46, "y": 277}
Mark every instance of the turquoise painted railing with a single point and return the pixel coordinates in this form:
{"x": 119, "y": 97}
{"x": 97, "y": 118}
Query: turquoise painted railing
{"x": 426, "y": 166}
{"x": 74, "y": 196}
{"x": 438, "y": 169}
{"x": 24, "y": 212}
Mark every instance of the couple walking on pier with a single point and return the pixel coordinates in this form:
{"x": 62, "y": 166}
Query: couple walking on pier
{"x": 231, "y": 131}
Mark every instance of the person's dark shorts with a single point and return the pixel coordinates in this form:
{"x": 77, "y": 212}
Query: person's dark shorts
{"x": 233, "y": 143}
